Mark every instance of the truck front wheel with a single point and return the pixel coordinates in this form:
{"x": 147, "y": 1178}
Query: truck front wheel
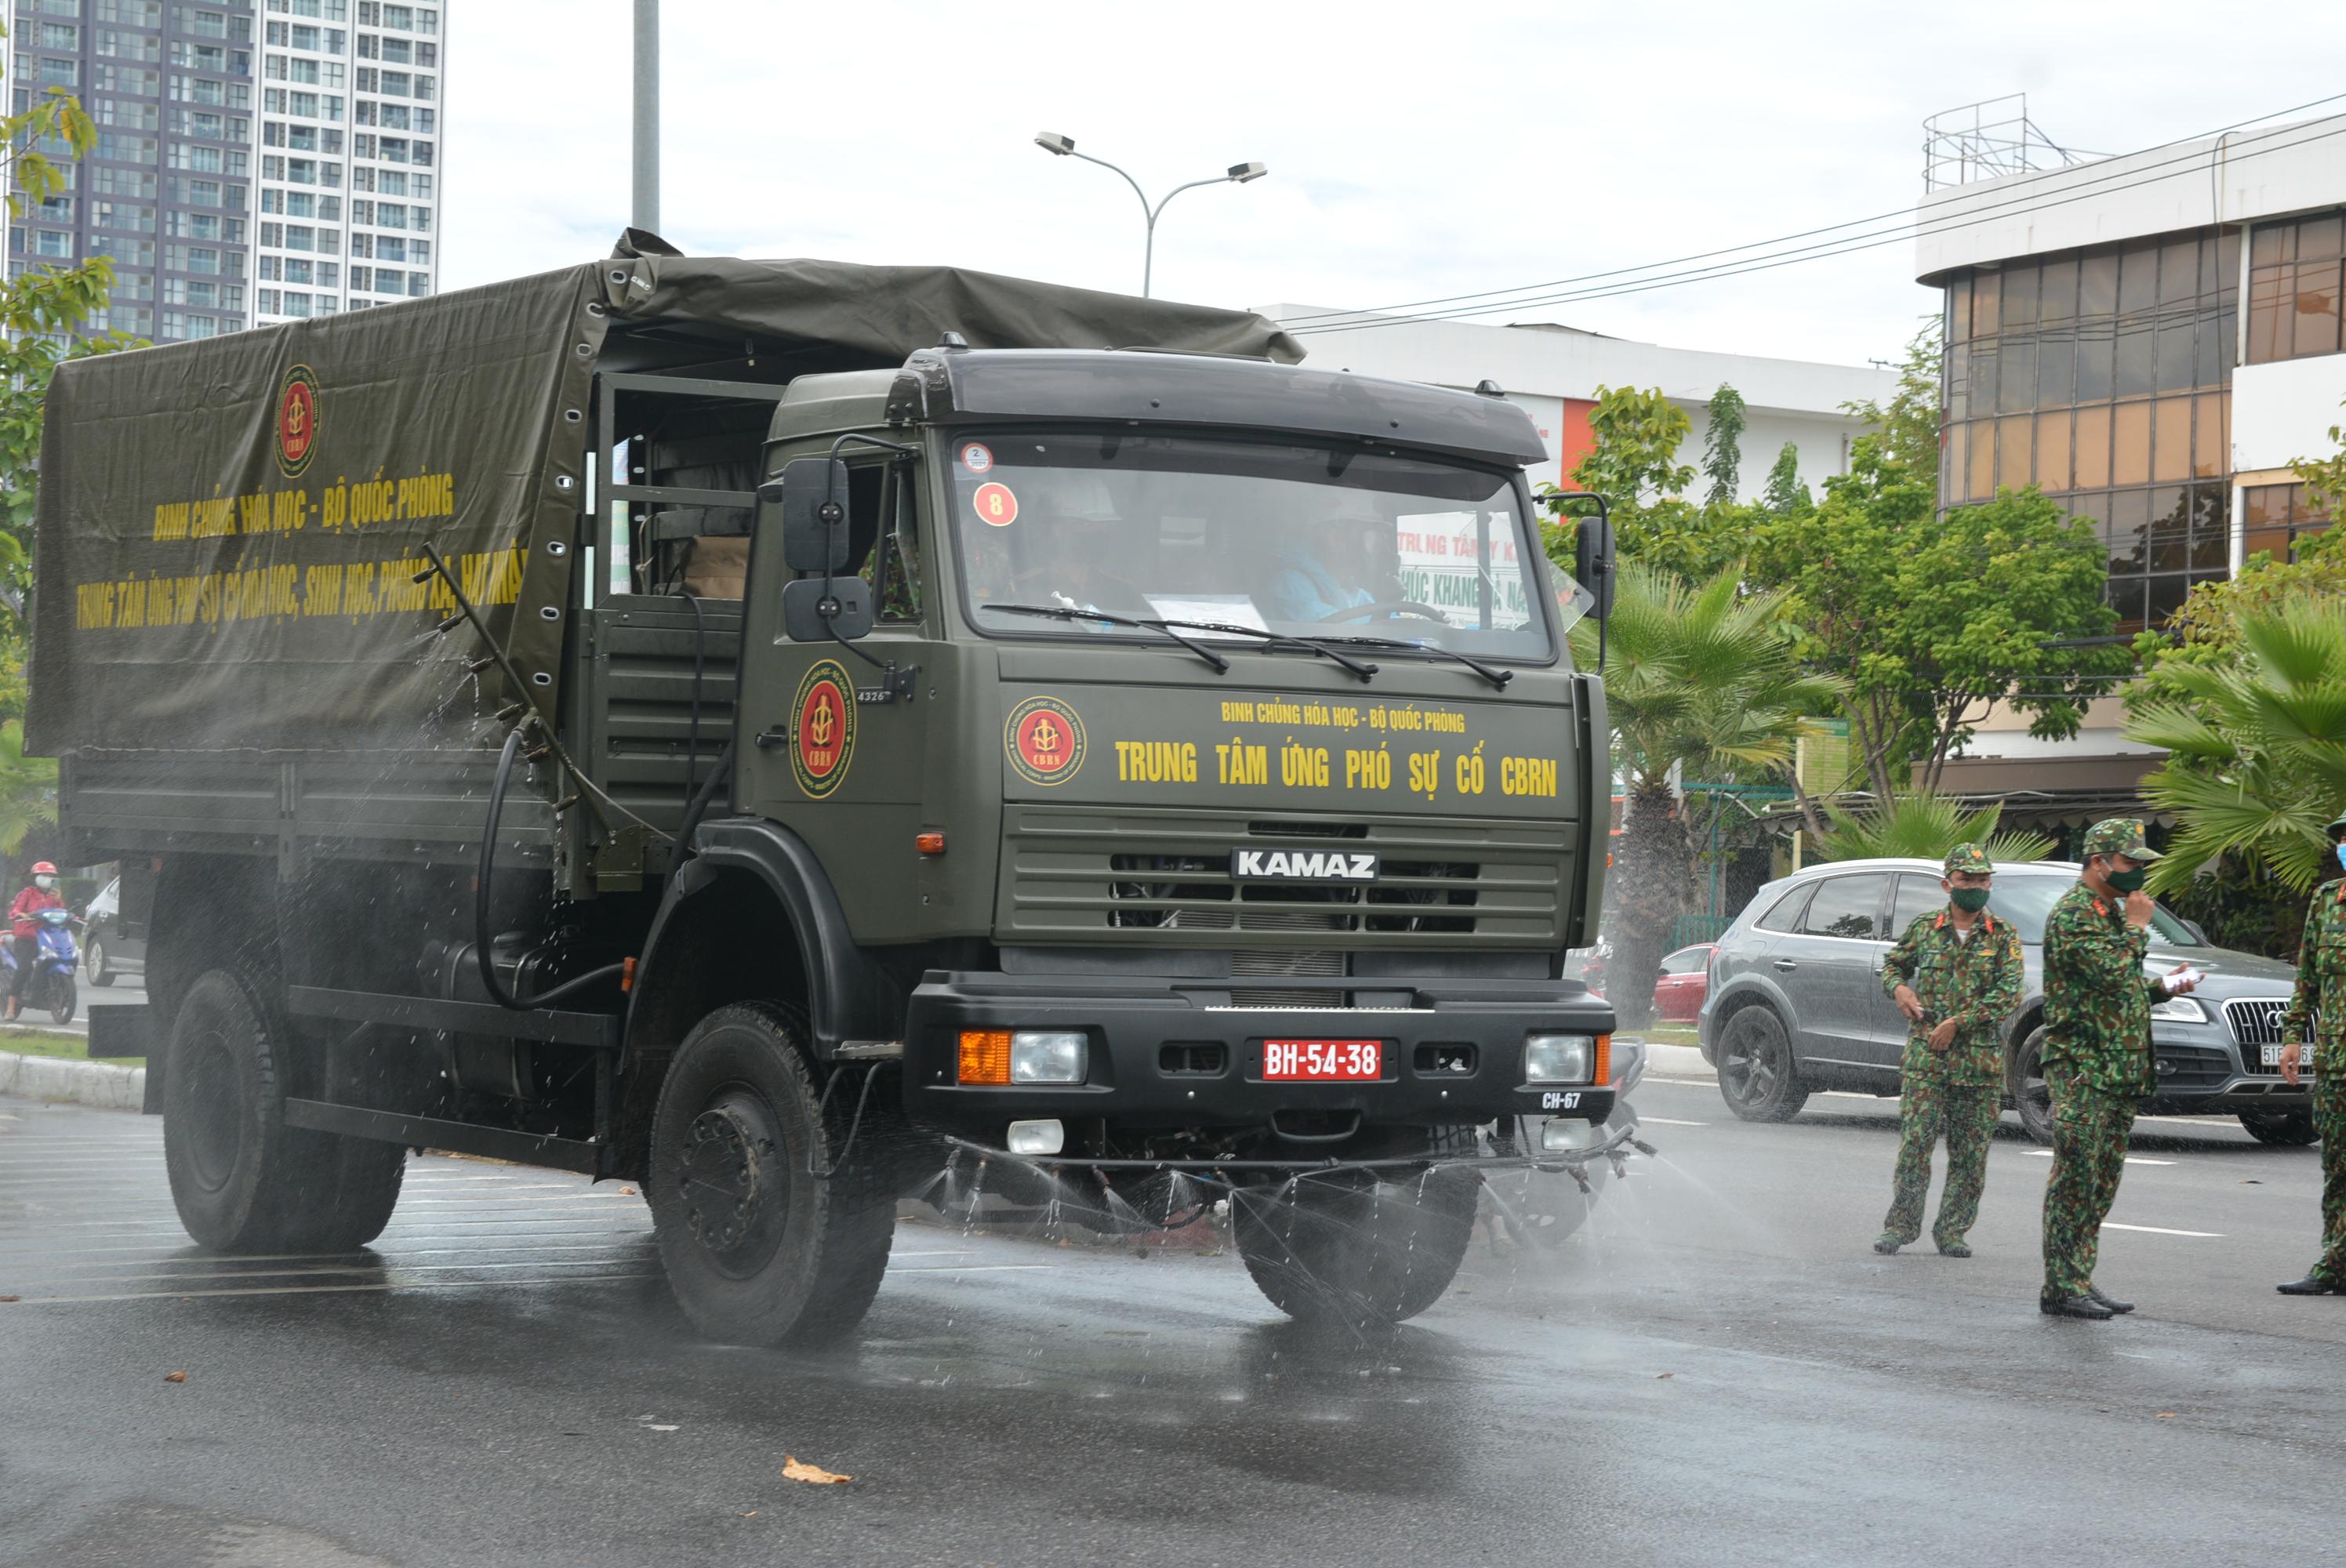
{"x": 242, "y": 1180}
{"x": 1361, "y": 1248}
{"x": 770, "y": 1232}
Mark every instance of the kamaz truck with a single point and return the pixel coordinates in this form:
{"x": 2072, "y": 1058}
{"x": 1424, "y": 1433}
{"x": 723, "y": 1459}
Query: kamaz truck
{"x": 793, "y": 736}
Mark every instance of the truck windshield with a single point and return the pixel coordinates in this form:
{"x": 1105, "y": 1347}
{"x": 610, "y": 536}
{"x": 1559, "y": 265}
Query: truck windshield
{"x": 1293, "y": 539}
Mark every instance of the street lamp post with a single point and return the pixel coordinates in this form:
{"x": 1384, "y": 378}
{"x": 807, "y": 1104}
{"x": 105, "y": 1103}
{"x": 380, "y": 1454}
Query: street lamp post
{"x": 1237, "y": 174}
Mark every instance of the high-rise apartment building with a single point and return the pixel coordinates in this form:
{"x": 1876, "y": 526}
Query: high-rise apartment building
{"x": 257, "y": 160}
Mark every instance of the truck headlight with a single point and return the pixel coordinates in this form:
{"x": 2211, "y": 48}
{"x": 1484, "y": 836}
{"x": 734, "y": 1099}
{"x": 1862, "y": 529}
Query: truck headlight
{"x": 1560, "y": 1059}
{"x": 1048, "y": 1056}
{"x": 2180, "y": 1009}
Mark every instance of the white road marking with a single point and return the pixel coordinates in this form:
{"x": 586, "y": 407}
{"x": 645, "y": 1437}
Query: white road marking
{"x": 2163, "y": 1230}
{"x": 1669, "y": 1122}
{"x": 1696, "y": 1083}
{"x": 2130, "y": 1159}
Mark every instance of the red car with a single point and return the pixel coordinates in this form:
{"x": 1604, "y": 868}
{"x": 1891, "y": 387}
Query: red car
{"x": 1679, "y": 988}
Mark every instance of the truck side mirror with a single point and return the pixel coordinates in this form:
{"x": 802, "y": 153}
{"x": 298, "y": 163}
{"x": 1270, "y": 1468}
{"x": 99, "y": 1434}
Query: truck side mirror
{"x": 1592, "y": 563}
{"x": 817, "y": 609}
{"x": 813, "y": 496}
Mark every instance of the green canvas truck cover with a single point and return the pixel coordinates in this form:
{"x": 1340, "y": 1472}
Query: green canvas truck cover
{"x": 228, "y": 531}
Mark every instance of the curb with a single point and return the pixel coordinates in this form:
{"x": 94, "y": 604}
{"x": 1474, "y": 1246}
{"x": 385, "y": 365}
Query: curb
{"x": 98, "y": 1084}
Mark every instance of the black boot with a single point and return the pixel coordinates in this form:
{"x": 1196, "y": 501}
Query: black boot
{"x": 1955, "y": 1248}
{"x": 2074, "y": 1307}
{"x": 2312, "y": 1284}
{"x": 2112, "y": 1302}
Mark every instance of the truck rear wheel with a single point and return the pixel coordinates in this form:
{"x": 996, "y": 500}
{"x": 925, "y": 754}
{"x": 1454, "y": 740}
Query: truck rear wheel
{"x": 1360, "y": 1249}
{"x": 759, "y": 1247}
{"x": 242, "y": 1180}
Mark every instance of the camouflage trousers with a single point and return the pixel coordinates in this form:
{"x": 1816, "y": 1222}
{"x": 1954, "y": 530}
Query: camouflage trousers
{"x": 2329, "y": 1121}
{"x": 2090, "y": 1129}
{"x": 1966, "y": 1117}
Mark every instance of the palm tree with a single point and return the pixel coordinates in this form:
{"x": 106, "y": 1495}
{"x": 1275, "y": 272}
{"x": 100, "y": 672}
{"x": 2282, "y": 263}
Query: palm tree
{"x": 1702, "y": 681}
{"x": 2256, "y": 747}
{"x": 1918, "y": 824}
{"x": 28, "y": 788}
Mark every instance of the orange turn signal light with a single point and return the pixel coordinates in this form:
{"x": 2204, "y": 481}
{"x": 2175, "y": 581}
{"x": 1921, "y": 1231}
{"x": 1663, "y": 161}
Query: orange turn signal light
{"x": 1604, "y": 1070}
{"x": 929, "y": 843}
{"x": 627, "y": 976}
{"x": 986, "y": 1055}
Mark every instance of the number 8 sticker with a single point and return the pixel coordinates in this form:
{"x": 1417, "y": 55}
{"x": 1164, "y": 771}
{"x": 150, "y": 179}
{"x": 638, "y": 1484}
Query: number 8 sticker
{"x": 995, "y": 505}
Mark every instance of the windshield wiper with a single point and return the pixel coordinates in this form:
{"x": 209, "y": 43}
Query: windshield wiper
{"x": 1273, "y": 642}
{"x": 1063, "y": 613}
{"x": 1498, "y": 677}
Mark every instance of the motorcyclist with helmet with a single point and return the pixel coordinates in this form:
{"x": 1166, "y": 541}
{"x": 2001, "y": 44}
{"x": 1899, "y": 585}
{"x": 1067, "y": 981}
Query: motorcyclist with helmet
{"x": 25, "y": 930}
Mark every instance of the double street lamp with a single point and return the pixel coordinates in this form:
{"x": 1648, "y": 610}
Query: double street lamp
{"x": 1237, "y": 174}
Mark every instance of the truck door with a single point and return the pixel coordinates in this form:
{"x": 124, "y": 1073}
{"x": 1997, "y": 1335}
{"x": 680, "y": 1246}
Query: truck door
{"x": 831, "y": 735}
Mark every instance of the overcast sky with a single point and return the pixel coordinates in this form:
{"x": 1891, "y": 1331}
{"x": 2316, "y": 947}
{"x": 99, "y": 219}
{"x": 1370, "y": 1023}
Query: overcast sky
{"x": 1415, "y": 151}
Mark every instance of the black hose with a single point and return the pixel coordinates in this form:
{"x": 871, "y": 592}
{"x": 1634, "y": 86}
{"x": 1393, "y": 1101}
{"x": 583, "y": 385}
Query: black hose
{"x": 490, "y": 980}
{"x": 699, "y": 806}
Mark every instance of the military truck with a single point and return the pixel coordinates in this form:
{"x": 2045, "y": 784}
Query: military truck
{"x": 794, "y": 735}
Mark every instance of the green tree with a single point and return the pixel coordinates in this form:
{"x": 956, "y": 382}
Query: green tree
{"x": 2256, "y": 747}
{"x": 1916, "y": 823}
{"x": 1722, "y": 445}
{"x": 1908, "y": 428}
{"x": 1634, "y": 464}
{"x": 28, "y": 790}
{"x": 1933, "y": 620}
{"x": 1786, "y": 495}
{"x": 1702, "y": 682}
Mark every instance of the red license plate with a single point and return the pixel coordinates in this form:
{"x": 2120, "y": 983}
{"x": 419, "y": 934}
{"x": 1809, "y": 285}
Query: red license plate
{"x": 1324, "y": 1061}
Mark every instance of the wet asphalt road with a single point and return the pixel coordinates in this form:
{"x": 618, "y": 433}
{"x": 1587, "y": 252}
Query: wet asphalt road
{"x": 1713, "y": 1368}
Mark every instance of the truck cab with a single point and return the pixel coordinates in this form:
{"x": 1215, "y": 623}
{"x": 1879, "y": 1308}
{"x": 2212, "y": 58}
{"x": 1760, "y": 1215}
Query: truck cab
{"x": 1210, "y": 778}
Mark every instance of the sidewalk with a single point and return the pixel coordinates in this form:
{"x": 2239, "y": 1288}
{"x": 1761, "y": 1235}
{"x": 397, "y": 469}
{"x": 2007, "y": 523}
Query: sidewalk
{"x": 100, "y": 1084}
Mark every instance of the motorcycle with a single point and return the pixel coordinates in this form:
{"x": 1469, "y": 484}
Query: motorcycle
{"x": 55, "y": 960}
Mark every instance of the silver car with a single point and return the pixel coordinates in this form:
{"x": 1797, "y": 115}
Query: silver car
{"x": 1795, "y": 1002}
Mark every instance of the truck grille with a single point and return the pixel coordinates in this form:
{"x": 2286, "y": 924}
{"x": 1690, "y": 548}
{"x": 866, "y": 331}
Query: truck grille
{"x": 1075, "y": 872}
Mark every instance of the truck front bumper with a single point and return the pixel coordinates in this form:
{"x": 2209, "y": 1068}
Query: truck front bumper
{"x": 1170, "y": 1053}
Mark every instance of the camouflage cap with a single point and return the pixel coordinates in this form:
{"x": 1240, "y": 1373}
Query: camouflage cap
{"x": 2119, "y": 836}
{"x": 2336, "y": 823}
{"x": 1972, "y": 857}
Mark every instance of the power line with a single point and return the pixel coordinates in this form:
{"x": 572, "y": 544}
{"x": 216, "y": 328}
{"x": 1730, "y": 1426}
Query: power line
{"x": 1909, "y": 227}
{"x": 1906, "y": 234}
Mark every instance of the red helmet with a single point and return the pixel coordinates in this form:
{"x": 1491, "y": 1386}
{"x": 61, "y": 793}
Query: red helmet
{"x": 43, "y": 869}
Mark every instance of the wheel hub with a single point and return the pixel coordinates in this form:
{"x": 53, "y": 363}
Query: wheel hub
{"x": 734, "y": 1181}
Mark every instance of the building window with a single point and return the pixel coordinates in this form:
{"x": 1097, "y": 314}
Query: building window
{"x": 268, "y": 301}
{"x": 2103, "y": 378}
{"x": 125, "y": 252}
{"x": 2297, "y": 274}
{"x": 2278, "y": 515}
{"x": 52, "y": 242}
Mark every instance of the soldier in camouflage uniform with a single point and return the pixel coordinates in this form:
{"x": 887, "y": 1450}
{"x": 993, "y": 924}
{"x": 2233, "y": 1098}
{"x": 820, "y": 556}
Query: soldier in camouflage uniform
{"x": 1956, "y": 975}
{"x": 2320, "y": 995}
{"x": 2097, "y": 1002}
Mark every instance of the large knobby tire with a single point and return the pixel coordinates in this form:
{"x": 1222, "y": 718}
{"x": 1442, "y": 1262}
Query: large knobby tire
{"x": 93, "y": 961}
{"x": 242, "y": 1180}
{"x": 1757, "y": 1075}
{"x": 2282, "y": 1129}
{"x": 761, "y": 1249}
{"x": 1362, "y": 1249}
{"x": 2031, "y": 1096}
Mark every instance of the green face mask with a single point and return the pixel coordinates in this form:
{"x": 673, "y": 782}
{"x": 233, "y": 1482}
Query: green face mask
{"x": 2130, "y": 881}
{"x": 1971, "y": 900}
